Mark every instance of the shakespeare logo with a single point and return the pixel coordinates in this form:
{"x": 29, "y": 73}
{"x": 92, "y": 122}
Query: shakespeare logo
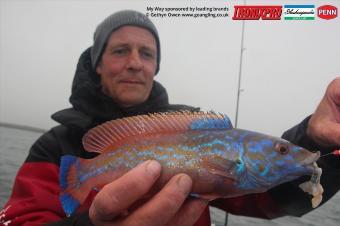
{"x": 257, "y": 12}
{"x": 299, "y": 12}
{"x": 327, "y": 12}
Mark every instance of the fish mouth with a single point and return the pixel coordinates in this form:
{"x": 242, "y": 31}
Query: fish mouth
{"x": 311, "y": 159}
{"x": 309, "y": 162}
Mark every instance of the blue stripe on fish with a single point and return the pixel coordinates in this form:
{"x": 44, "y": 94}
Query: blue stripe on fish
{"x": 93, "y": 173}
{"x": 195, "y": 195}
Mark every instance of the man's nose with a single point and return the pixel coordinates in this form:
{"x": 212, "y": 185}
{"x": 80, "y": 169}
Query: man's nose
{"x": 134, "y": 61}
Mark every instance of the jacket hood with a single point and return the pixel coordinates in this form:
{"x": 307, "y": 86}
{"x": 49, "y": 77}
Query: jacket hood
{"x": 93, "y": 106}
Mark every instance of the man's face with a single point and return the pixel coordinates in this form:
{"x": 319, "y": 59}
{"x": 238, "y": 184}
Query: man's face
{"x": 128, "y": 65}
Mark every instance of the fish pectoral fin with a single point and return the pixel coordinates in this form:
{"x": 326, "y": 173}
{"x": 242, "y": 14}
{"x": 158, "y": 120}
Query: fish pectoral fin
{"x": 222, "y": 167}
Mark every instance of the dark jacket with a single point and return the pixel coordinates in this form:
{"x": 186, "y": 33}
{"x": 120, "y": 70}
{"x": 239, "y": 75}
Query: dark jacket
{"x": 35, "y": 196}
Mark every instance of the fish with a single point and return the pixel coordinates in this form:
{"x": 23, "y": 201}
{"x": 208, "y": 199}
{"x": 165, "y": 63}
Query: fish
{"x": 222, "y": 161}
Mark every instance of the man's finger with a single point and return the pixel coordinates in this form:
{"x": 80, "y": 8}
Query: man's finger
{"x": 189, "y": 213}
{"x": 164, "y": 205}
{"x": 324, "y": 131}
{"x": 123, "y": 192}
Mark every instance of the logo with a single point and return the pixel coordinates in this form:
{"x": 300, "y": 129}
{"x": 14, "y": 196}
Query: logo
{"x": 257, "y": 12}
{"x": 327, "y": 12}
{"x": 299, "y": 12}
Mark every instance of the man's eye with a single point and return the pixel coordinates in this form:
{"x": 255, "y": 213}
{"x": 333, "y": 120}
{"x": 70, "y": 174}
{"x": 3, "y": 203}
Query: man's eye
{"x": 147, "y": 55}
{"x": 119, "y": 51}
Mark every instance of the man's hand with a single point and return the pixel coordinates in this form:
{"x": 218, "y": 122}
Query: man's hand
{"x": 167, "y": 207}
{"x": 324, "y": 125}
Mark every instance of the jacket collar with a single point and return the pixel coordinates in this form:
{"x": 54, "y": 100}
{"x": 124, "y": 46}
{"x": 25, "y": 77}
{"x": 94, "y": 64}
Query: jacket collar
{"x": 91, "y": 106}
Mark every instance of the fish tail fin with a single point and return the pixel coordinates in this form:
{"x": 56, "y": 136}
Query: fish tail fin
{"x": 69, "y": 203}
{"x": 73, "y": 193}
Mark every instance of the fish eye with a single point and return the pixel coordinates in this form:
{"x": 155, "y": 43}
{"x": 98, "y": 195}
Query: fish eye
{"x": 282, "y": 148}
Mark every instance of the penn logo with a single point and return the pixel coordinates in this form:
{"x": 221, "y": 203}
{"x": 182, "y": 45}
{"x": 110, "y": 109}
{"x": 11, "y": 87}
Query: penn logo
{"x": 327, "y": 12}
{"x": 257, "y": 12}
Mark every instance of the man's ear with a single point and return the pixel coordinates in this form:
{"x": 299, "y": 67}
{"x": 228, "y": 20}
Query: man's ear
{"x": 99, "y": 68}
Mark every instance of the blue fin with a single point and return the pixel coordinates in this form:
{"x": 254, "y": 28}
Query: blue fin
{"x": 65, "y": 164}
{"x": 212, "y": 123}
{"x": 69, "y": 204}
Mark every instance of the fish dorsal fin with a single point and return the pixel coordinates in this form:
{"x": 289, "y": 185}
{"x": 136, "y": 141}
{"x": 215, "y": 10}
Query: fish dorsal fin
{"x": 109, "y": 133}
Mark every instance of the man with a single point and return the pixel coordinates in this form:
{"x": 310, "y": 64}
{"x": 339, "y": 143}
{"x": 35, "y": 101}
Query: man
{"x": 114, "y": 79}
